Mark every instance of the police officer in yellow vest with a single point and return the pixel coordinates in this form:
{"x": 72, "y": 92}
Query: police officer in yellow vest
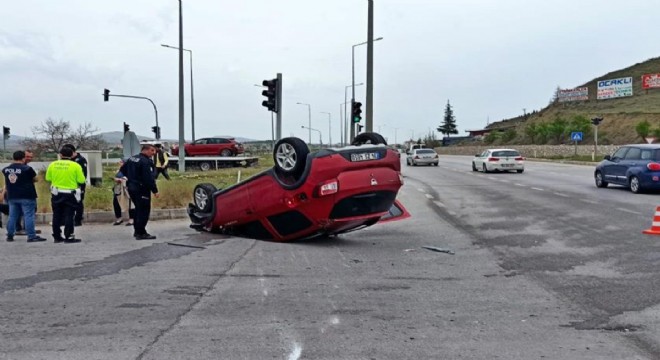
{"x": 65, "y": 177}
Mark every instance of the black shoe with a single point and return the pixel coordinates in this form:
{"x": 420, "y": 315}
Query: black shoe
{"x": 117, "y": 222}
{"x": 130, "y": 223}
{"x": 71, "y": 240}
{"x": 145, "y": 237}
{"x": 77, "y": 223}
{"x": 36, "y": 239}
{"x": 57, "y": 241}
{"x": 10, "y": 238}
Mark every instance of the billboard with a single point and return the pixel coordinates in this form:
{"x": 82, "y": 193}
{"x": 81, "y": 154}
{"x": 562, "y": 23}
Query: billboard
{"x": 650, "y": 81}
{"x": 573, "y": 94}
{"x": 614, "y": 88}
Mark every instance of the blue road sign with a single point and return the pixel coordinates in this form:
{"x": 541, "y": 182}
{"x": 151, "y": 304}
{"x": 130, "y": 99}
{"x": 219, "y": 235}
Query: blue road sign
{"x": 576, "y": 136}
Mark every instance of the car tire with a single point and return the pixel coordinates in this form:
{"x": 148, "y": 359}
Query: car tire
{"x": 484, "y": 168}
{"x": 635, "y": 187}
{"x": 474, "y": 167}
{"x": 203, "y": 197}
{"x": 205, "y": 166}
{"x": 407, "y": 163}
{"x": 598, "y": 178}
{"x": 368, "y": 138}
{"x": 520, "y": 171}
{"x": 290, "y": 155}
{"x": 226, "y": 152}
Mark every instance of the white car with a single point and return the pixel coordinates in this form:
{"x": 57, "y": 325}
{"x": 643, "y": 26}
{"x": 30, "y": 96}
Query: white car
{"x": 498, "y": 160}
{"x": 422, "y": 157}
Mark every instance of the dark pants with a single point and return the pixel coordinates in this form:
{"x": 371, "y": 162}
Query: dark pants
{"x": 117, "y": 208}
{"x": 80, "y": 207}
{"x": 142, "y": 202}
{"x": 159, "y": 171}
{"x": 64, "y": 206}
{"x": 4, "y": 208}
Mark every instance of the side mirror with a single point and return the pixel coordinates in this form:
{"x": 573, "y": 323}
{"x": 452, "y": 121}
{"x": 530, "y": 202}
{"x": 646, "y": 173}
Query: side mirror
{"x": 607, "y": 157}
{"x": 477, "y": 155}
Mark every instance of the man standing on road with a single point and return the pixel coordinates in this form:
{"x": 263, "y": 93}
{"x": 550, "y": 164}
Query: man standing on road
{"x": 78, "y": 217}
{"x": 139, "y": 170}
{"x": 65, "y": 177}
{"x": 161, "y": 159}
{"x": 21, "y": 196}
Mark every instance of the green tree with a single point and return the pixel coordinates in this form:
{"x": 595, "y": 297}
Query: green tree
{"x": 643, "y": 129}
{"x": 52, "y": 134}
{"x": 509, "y": 135}
{"x": 448, "y": 126}
{"x": 543, "y": 132}
{"x": 557, "y": 130}
{"x": 580, "y": 123}
{"x": 531, "y": 131}
{"x": 491, "y": 137}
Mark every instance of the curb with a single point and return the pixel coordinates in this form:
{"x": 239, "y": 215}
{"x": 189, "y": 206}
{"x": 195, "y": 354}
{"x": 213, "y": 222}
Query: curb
{"x": 109, "y": 216}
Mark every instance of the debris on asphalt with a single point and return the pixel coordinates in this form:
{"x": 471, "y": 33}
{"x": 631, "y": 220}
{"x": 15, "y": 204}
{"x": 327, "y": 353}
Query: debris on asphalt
{"x": 437, "y": 249}
{"x": 186, "y": 245}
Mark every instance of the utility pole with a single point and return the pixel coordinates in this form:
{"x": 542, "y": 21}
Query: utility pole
{"x": 370, "y": 68}
{"x": 182, "y": 140}
{"x": 279, "y": 106}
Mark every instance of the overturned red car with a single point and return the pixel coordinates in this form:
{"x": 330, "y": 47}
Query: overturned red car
{"x": 304, "y": 195}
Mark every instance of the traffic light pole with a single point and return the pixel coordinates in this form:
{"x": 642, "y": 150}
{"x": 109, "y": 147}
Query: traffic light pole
{"x": 369, "y": 122}
{"x": 279, "y": 106}
{"x": 145, "y": 98}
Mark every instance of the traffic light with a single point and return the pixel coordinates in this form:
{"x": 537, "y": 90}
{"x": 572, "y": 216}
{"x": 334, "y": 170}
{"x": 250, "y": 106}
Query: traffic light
{"x": 356, "y": 112}
{"x": 596, "y": 121}
{"x": 156, "y": 131}
{"x": 271, "y": 95}
{"x": 126, "y": 127}
{"x": 5, "y": 132}
{"x": 106, "y": 94}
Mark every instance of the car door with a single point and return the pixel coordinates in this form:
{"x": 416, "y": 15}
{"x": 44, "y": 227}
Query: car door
{"x": 630, "y": 161}
{"x": 479, "y": 159}
{"x": 613, "y": 169}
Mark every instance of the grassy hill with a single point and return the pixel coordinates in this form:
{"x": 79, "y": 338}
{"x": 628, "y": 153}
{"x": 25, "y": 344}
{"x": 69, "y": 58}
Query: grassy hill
{"x": 620, "y": 114}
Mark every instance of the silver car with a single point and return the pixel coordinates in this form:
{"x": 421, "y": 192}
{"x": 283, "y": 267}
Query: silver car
{"x": 422, "y": 157}
{"x": 498, "y": 160}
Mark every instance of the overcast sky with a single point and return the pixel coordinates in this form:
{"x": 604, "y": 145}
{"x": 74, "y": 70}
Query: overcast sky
{"x": 489, "y": 58}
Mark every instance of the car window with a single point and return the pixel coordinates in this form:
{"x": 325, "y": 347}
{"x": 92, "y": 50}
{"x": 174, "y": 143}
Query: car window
{"x": 223, "y": 141}
{"x": 484, "y": 154}
{"x": 425, "y": 151}
{"x": 647, "y": 154}
{"x": 505, "y": 153}
{"x": 633, "y": 154}
{"x": 620, "y": 153}
{"x": 200, "y": 142}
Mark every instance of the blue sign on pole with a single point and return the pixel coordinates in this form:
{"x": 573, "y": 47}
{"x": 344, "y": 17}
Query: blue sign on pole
{"x": 576, "y": 136}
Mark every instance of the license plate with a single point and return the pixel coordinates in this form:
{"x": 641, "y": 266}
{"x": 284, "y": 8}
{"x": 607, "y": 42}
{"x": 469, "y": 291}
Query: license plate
{"x": 364, "y": 156}
{"x": 507, "y": 165}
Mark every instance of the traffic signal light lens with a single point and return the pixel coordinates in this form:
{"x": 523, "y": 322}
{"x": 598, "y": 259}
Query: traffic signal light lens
{"x": 270, "y": 94}
{"x": 356, "y": 112}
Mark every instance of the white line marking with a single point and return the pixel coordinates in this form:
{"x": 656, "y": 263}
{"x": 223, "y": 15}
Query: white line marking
{"x": 439, "y": 203}
{"x": 429, "y": 196}
{"x": 296, "y": 352}
{"x": 589, "y": 201}
{"x": 490, "y": 177}
{"x": 629, "y": 211}
{"x": 539, "y": 189}
{"x": 420, "y": 189}
{"x": 518, "y": 184}
{"x": 560, "y": 194}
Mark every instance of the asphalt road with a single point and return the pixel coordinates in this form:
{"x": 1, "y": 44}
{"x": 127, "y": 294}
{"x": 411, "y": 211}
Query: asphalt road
{"x": 545, "y": 266}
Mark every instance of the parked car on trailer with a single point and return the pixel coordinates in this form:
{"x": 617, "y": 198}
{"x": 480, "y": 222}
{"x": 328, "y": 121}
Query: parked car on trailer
{"x": 213, "y": 146}
{"x": 328, "y": 192}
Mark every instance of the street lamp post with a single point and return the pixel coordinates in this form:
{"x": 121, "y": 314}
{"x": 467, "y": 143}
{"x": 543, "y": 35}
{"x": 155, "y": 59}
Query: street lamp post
{"x": 309, "y": 109}
{"x": 317, "y": 130}
{"x": 353, "y": 79}
{"x": 192, "y": 91}
{"x": 182, "y": 139}
{"x": 329, "y": 127}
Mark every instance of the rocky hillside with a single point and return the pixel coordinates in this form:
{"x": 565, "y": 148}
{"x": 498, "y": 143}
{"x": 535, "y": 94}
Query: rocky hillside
{"x": 620, "y": 114}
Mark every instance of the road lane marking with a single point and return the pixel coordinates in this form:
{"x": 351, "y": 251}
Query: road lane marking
{"x": 296, "y": 352}
{"x": 539, "y": 189}
{"x": 629, "y": 211}
{"x": 589, "y": 201}
{"x": 560, "y": 194}
{"x": 519, "y": 184}
{"x": 429, "y": 196}
{"x": 420, "y": 190}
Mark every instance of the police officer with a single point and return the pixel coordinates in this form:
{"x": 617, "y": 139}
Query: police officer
{"x": 139, "y": 170}
{"x": 78, "y": 217}
{"x": 65, "y": 177}
{"x": 21, "y": 196}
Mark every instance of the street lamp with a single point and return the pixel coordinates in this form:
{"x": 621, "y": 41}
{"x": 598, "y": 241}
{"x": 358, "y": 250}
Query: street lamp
{"x": 345, "y": 114}
{"x": 309, "y": 109}
{"x": 320, "y": 135}
{"x": 192, "y": 92}
{"x": 353, "y": 77}
{"x": 329, "y": 127}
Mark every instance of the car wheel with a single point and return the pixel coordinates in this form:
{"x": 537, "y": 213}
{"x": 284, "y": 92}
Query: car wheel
{"x": 205, "y": 166}
{"x": 598, "y": 177}
{"x": 520, "y": 171}
{"x": 225, "y": 152}
{"x": 290, "y": 155}
{"x": 484, "y": 168}
{"x": 368, "y": 138}
{"x": 634, "y": 185}
{"x": 474, "y": 167}
{"x": 203, "y": 197}
{"x": 407, "y": 163}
